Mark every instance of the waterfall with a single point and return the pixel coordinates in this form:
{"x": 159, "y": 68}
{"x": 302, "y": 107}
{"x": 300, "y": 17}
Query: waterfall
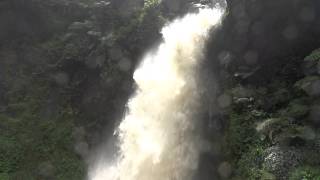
{"x": 158, "y": 138}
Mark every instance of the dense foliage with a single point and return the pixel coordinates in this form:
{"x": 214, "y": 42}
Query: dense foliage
{"x": 49, "y": 83}
{"x": 272, "y": 133}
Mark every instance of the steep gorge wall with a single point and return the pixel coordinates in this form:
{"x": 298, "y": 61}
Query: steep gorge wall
{"x": 84, "y": 63}
{"x": 258, "y": 35}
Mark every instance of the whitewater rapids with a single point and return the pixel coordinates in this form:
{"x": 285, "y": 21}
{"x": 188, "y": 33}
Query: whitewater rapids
{"x": 157, "y": 137}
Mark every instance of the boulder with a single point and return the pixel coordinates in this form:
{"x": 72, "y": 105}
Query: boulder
{"x": 46, "y": 170}
{"x": 307, "y": 133}
{"x": 267, "y": 127}
{"x": 225, "y": 170}
{"x": 281, "y": 160}
{"x": 310, "y": 85}
{"x": 296, "y": 109}
{"x": 311, "y": 63}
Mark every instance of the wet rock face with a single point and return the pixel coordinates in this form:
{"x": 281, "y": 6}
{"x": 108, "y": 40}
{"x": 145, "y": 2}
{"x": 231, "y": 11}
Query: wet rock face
{"x": 225, "y": 170}
{"x": 258, "y": 33}
{"x": 207, "y": 169}
{"x": 46, "y": 170}
{"x": 280, "y": 160}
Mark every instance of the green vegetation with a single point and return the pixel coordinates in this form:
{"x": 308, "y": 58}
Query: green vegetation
{"x": 278, "y": 142}
{"x": 314, "y": 56}
{"x": 305, "y": 173}
{"x": 250, "y": 163}
{"x": 241, "y": 134}
{"x": 66, "y": 74}
{"x": 45, "y": 93}
{"x": 243, "y": 145}
{"x": 28, "y": 139}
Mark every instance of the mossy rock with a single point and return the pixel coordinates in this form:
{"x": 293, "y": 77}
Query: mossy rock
{"x": 295, "y": 136}
{"x": 281, "y": 160}
{"x": 311, "y": 63}
{"x": 310, "y": 85}
{"x": 267, "y": 125}
{"x": 297, "y": 110}
{"x": 271, "y": 127}
{"x": 314, "y": 56}
{"x": 281, "y": 131}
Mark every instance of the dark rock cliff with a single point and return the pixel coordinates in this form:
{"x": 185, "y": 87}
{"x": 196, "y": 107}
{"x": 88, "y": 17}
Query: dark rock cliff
{"x": 258, "y": 36}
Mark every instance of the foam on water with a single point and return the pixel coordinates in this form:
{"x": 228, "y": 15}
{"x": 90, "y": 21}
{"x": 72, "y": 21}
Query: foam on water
{"x": 157, "y": 137}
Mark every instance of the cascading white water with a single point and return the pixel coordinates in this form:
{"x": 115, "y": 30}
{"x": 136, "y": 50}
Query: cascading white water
{"x": 157, "y": 137}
